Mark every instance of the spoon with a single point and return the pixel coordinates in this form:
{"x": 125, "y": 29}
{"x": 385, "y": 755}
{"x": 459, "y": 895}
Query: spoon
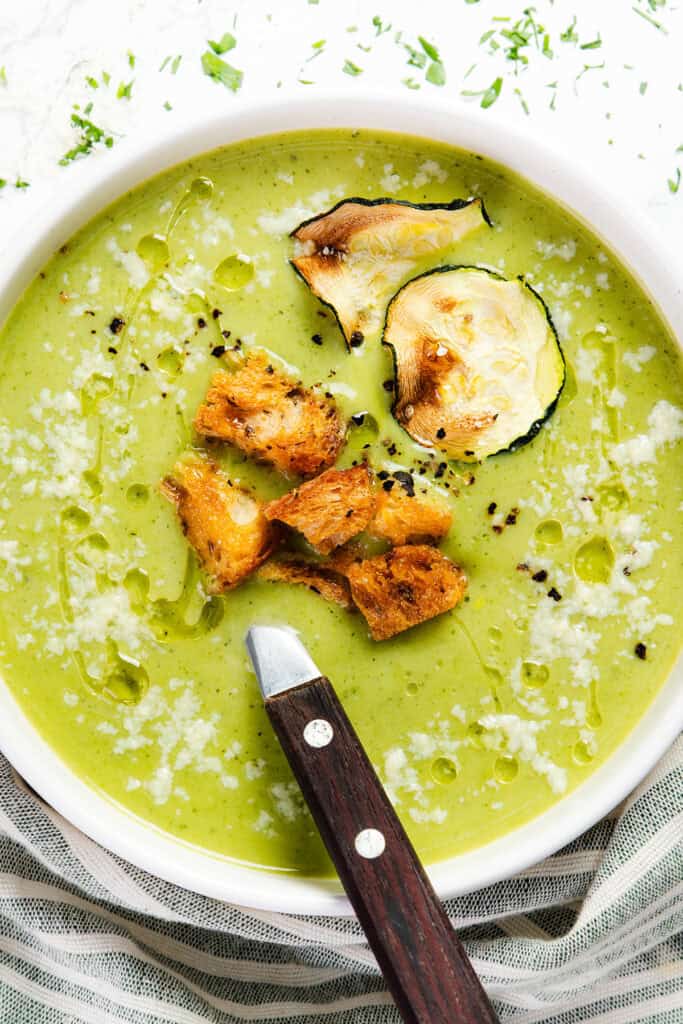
{"x": 424, "y": 964}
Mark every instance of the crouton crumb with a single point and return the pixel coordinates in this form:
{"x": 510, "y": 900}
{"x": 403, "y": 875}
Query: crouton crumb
{"x": 272, "y": 417}
{"x": 224, "y": 524}
{"x": 328, "y": 510}
{"x": 404, "y": 587}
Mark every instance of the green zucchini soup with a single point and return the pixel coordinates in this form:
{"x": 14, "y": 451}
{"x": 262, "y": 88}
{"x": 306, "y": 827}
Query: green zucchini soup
{"x": 465, "y": 493}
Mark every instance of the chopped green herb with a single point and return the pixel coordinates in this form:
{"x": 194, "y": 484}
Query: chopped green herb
{"x": 365, "y": 49}
{"x": 92, "y": 82}
{"x": 642, "y": 88}
{"x": 586, "y": 68}
{"x": 351, "y": 69}
{"x": 525, "y": 106}
{"x": 90, "y": 135}
{"x": 87, "y": 109}
{"x": 167, "y": 106}
{"x": 20, "y": 183}
{"x": 416, "y": 58}
{"x": 675, "y": 182}
{"x": 131, "y": 59}
{"x": 176, "y": 63}
{"x": 305, "y": 81}
{"x": 106, "y": 77}
{"x": 595, "y": 44}
{"x": 492, "y": 93}
{"x": 410, "y": 83}
{"x": 436, "y": 73}
{"x": 3, "y": 182}
{"x": 215, "y": 68}
{"x": 429, "y": 49}
{"x": 124, "y": 91}
{"x": 314, "y": 2}
{"x": 680, "y": 148}
{"x": 225, "y": 43}
{"x": 570, "y": 35}
{"x": 471, "y": 1}
{"x": 657, "y": 24}
{"x": 3, "y": 75}
{"x": 380, "y": 27}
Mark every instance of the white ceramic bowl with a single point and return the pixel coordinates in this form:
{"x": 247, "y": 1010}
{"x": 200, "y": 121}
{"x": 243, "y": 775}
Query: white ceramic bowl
{"x": 616, "y": 221}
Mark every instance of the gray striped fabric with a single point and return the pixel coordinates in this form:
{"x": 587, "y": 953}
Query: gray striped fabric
{"x": 592, "y": 934}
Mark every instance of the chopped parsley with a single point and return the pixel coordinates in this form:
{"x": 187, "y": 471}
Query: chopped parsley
{"x": 595, "y": 44}
{"x": 380, "y": 27}
{"x": 675, "y": 182}
{"x": 220, "y": 71}
{"x": 92, "y": 82}
{"x": 648, "y": 17}
{"x": 173, "y": 61}
{"x": 490, "y": 95}
{"x": 225, "y": 43}
{"x": 642, "y": 88}
{"x": 410, "y": 83}
{"x": 3, "y": 182}
{"x": 124, "y": 91}
{"x": 90, "y": 136}
{"x": 131, "y": 59}
{"x": 3, "y": 76}
{"x": 350, "y": 68}
{"x": 20, "y": 183}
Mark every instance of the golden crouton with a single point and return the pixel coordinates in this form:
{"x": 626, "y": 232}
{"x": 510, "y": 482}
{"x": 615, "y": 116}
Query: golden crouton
{"x": 319, "y": 577}
{"x": 401, "y": 517}
{"x": 329, "y": 510}
{"x": 407, "y": 585}
{"x": 223, "y": 523}
{"x": 272, "y": 417}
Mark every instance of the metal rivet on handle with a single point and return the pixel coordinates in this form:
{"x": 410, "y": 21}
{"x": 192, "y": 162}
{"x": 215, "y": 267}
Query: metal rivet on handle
{"x": 318, "y": 733}
{"x": 370, "y": 843}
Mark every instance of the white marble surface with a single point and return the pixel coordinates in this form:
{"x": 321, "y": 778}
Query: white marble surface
{"x": 48, "y": 47}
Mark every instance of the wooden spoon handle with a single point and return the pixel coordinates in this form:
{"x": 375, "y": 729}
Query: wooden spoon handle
{"x": 423, "y": 962}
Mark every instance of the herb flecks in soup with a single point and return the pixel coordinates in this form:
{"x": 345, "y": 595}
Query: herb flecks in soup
{"x": 113, "y": 637}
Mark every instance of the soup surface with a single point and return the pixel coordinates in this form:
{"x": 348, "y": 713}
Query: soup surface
{"x": 477, "y": 720}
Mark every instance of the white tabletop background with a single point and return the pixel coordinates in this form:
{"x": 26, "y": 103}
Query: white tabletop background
{"x": 624, "y": 119}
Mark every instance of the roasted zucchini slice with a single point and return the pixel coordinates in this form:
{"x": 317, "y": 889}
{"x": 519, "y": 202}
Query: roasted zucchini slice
{"x": 477, "y": 361}
{"x": 354, "y": 256}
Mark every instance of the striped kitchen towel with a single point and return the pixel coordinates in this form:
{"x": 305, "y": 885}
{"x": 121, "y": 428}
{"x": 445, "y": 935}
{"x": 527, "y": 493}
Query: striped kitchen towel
{"x": 594, "y": 933}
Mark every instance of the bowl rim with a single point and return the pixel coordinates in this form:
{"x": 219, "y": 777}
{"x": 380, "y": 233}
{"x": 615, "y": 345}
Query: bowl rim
{"x": 614, "y": 219}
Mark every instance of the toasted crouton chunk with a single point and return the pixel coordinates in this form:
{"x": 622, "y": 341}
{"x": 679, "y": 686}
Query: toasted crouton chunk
{"x": 401, "y": 517}
{"x": 223, "y": 523}
{"x": 407, "y": 585}
{"x": 272, "y": 417}
{"x": 320, "y": 578}
{"x": 329, "y": 510}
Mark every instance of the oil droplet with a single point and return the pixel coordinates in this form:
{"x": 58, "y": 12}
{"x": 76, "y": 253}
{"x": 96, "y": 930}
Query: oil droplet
{"x": 92, "y": 550}
{"x": 495, "y": 635}
{"x": 138, "y": 494}
{"x": 234, "y": 272}
{"x": 153, "y": 249}
{"x": 127, "y": 683}
{"x": 593, "y": 340}
{"x": 505, "y": 769}
{"x": 534, "y": 674}
{"x": 549, "y": 531}
{"x": 570, "y": 389}
{"x": 202, "y": 188}
{"x": 75, "y": 518}
{"x": 593, "y": 716}
{"x": 613, "y": 496}
{"x": 93, "y": 482}
{"x": 444, "y": 770}
{"x": 171, "y": 361}
{"x": 94, "y": 390}
{"x": 412, "y": 689}
{"x": 475, "y": 731}
{"x": 582, "y": 753}
{"x": 594, "y": 561}
{"x": 136, "y": 582}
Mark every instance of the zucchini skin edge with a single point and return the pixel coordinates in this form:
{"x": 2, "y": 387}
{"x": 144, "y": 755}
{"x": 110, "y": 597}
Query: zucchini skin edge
{"x": 535, "y": 427}
{"x": 455, "y": 204}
